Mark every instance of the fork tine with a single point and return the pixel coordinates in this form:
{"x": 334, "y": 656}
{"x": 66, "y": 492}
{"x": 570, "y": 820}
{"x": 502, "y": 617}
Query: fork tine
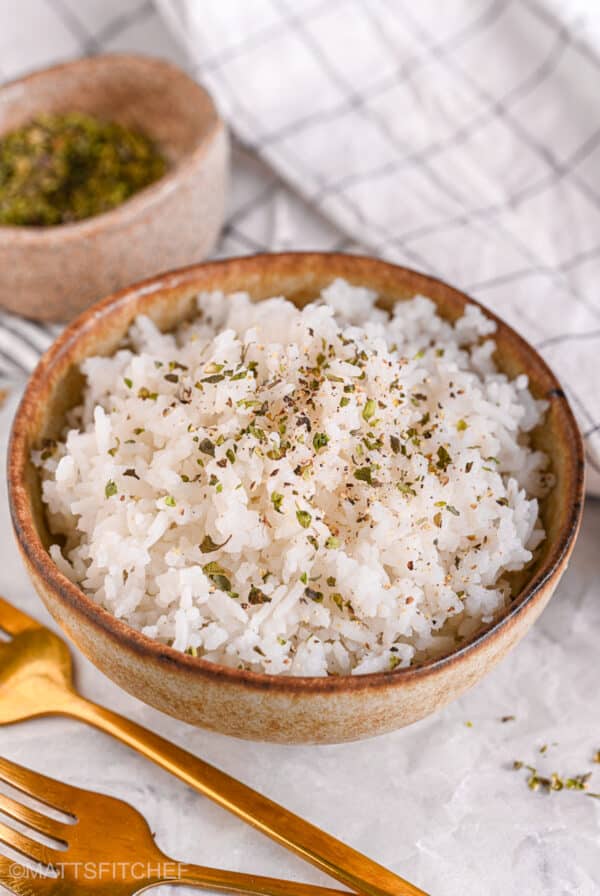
{"x": 14, "y": 621}
{"x": 46, "y": 790}
{"x": 35, "y": 820}
{"x": 31, "y": 849}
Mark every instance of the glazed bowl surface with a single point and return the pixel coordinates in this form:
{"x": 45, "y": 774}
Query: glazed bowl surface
{"x": 247, "y": 704}
{"x": 53, "y": 273}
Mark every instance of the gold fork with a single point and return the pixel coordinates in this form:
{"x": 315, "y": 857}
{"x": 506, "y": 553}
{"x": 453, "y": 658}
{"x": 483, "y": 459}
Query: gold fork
{"x": 105, "y": 847}
{"x": 36, "y": 680}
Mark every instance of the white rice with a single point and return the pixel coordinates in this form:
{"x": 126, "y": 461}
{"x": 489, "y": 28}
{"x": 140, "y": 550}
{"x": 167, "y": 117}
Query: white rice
{"x": 368, "y": 482}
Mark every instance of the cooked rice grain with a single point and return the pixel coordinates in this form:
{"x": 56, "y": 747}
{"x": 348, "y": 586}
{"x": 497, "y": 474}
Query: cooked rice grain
{"x": 303, "y": 492}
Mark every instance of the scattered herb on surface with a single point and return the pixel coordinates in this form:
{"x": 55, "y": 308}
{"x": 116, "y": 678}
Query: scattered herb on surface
{"x": 554, "y": 782}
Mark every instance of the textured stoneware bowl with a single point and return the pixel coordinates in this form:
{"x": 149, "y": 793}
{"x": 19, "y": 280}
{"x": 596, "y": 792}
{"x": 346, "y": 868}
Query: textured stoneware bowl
{"x": 53, "y": 273}
{"x": 245, "y": 704}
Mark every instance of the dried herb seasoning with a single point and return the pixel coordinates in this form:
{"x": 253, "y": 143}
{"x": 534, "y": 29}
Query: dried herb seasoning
{"x": 58, "y": 169}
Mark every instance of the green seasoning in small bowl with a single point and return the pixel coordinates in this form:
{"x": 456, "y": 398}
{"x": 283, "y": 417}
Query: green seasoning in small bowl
{"x": 63, "y": 168}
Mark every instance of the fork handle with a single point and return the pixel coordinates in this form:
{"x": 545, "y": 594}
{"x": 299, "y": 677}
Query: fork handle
{"x": 354, "y": 870}
{"x": 244, "y": 884}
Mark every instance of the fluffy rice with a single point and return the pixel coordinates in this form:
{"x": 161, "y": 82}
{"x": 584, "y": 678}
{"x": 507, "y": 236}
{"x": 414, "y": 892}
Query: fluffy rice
{"x": 325, "y": 491}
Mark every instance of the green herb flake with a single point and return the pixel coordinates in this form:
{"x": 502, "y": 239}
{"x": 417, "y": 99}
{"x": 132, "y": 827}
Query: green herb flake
{"x": 207, "y": 545}
{"x": 218, "y": 576}
{"x": 304, "y": 518}
{"x": 215, "y": 378}
{"x": 369, "y": 409}
{"x": 338, "y": 600}
{"x": 277, "y": 500}
{"x": 578, "y": 782}
{"x": 128, "y": 382}
{"x": 257, "y": 596}
{"x": 146, "y": 395}
{"x": 443, "y": 459}
{"x": 207, "y": 446}
{"x": 332, "y": 542}
{"x": 320, "y": 440}
{"x": 461, "y": 425}
{"x": 110, "y": 488}
{"x": 316, "y": 596}
{"x": 364, "y": 474}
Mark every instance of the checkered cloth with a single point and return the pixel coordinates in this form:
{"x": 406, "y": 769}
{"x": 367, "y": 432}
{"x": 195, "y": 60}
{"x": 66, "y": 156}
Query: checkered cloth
{"x": 460, "y": 138}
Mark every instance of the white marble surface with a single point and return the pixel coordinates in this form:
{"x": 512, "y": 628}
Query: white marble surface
{"x": 437, "y": 802}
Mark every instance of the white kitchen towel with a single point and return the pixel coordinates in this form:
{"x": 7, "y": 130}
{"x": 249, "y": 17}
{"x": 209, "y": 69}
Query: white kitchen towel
{"x": 460, "y": 138}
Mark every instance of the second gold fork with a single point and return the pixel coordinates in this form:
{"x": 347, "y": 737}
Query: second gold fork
{"x": 36, "y": 680}
{"x": 106, "y": 848}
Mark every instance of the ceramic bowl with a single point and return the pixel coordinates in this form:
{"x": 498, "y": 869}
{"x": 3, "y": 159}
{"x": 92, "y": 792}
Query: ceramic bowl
{"x": 247, "y": 704}
{"x": 53, "y": 273}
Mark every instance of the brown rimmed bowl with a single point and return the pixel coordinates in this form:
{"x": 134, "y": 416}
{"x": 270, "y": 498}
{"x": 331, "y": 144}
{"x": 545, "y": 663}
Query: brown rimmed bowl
{"x": 53, "y": 273}
{"x": 247, "y": 704}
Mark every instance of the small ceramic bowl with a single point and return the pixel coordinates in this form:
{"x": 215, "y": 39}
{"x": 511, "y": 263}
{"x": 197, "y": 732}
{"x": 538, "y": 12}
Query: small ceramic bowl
{"x": 247, "y": 704}
{"x": 53, "y": 273}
